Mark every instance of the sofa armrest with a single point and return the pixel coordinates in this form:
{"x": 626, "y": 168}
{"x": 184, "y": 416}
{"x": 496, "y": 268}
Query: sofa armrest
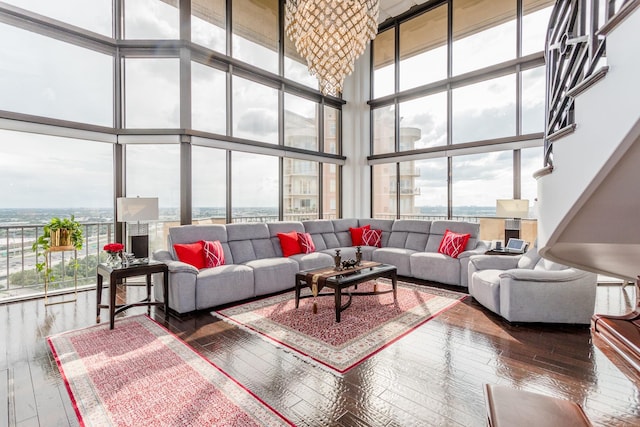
{"x": 494, "y": 262}
{"x": 162, "y": 255}
{"x": 174, "y": 266}
{"x": 524, "y": 274}
{"x": 480, "y": 249}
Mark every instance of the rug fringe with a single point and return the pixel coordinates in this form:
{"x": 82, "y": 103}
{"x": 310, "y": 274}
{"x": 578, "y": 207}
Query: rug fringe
{"x": 303, "y": 357}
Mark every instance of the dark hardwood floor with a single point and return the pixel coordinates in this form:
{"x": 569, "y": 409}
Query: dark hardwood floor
{"x": 431, "y": 377}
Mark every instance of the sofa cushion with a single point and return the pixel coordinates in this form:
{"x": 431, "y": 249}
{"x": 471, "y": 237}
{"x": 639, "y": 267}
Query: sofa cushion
{"x": 195, "y": 233}
{"x": 273, "y": 274}
{"x": 341, "y": 231}
{"x": 213, "y": 254}
{"x": 249, "y": 241}
{"x": 191, "y": 253}
{"x": 394, "y": 256}
{"x": 385, "y": 225}
{"x": 318, "y": 229}
{"x": 356, "y": 234}
{"x": 546, "y": 265}
{"x": 223, "y": 284}
{"x": 453, "y": 244}
{"x": 289, "y": 243}
{"x": 313, "y": 260}
{"x": 409, "y": 234}
{"x": 372, "y": 238}
{"x": 436, "y": 267}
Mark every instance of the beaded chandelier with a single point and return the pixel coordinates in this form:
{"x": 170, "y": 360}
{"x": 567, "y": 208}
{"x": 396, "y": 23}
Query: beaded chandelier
{"x": 331, "y": 35}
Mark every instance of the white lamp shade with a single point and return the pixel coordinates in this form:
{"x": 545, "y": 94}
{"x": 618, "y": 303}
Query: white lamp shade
{"x": 512, "y": 208}
{"x": 133, "y": 209}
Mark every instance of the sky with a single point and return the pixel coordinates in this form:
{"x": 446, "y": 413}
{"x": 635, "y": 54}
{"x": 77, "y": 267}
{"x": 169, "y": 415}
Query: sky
{"x": 35, "y": 78}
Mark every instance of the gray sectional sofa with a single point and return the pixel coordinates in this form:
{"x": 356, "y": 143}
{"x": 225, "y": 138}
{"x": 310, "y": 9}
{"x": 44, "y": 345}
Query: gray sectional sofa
{"x": 255, "y": 266}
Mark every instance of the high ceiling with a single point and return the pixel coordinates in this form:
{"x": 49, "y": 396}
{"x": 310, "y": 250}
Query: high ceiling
{"x": 391, "y": 8}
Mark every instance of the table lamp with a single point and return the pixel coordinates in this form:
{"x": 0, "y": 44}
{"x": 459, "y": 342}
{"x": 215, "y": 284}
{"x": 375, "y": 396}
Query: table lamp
{"x": 133, "y": 210}
{"x": 513, "y": 210}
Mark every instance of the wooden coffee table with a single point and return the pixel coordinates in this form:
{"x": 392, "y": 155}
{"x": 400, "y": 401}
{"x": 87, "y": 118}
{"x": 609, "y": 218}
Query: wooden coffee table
{"x": 345, "y": 281}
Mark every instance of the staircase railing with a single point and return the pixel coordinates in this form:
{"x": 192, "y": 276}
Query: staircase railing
{"x": 575, "y": 57}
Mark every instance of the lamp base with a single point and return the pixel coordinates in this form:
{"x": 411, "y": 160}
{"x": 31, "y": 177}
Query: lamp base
{"x": 139, "y": 246}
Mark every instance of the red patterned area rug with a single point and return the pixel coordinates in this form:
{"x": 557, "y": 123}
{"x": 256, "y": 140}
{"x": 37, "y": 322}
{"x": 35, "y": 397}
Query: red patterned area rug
{"x": 140, "y": 374}
{"x": 369, "y": 325}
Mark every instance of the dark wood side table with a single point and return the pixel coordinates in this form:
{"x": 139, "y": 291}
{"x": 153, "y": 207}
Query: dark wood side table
{"x": 115, "y": 274}
{"x": 502, "y": 252}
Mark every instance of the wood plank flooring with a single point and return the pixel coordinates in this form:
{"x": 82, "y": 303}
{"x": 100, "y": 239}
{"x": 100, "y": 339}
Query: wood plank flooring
{"x": 431, "y": 377}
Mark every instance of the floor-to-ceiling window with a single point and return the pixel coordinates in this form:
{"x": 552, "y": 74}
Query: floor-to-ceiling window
{"x": 457, "y": 104}
{"x": 200, "y": 103}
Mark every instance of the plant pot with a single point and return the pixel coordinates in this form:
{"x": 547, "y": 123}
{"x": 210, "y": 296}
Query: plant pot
{"x": 60, "y": 237}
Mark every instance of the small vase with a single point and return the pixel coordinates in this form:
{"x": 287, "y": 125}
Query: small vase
{"x": 113, "y": 259}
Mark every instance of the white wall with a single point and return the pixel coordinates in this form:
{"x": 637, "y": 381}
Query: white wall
{"x": 356, "y": 179}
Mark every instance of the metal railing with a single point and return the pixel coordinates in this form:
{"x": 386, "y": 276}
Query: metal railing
{"x": 575, "y": 50}
{"x": 18, "y": 275}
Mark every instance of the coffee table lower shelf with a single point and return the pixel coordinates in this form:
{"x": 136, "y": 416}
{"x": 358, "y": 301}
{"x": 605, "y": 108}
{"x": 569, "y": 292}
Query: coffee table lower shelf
{"x": 345, "y": 282}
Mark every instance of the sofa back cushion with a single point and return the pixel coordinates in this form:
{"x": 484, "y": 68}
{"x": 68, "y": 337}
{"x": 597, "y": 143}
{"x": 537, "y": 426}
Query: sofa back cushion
{"x": 319, "y": 228}
{"x": 409, "y": 234}
{"x": 342, "y": 233}
{"x": 195, "y": 233}
{"x": 546, "y": 265}
{"x": 249, "y": 242}
{"x": 438, "y": 228}
{"x": 282, "y": 227}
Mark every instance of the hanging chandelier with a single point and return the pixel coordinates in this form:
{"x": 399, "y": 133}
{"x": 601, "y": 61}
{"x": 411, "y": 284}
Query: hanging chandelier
{"x": 331, "y": 35}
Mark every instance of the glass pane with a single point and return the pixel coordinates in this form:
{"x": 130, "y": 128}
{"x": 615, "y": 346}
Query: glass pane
{"x": 535, "y": 21}
{"x": 255, "y": 111}
{"x": 151, "y": 19}
{"x": 423, "y": 48}
{"x": 480, "y": 179}
{"x": 152, "y": 93}
{"x": 531, "y": 160}
{"x": 35, "y": 78}
{"x": 208, "y": 99}
{"x": 154, "y": 171}
{"x": 255, "y": 182}
{"x": 209, "y": 188}
{"x": 384, "y": 130}
{"x": 40, "y": 171}
{"x": 485, "y": 110}
{"x": 384, "y": 195}
{"x": 533, "y": 87}
{"x": 331, "y": 130}
{"x": 300, "y": 186}
{"x": 255, "y": 33}
{"x": 330, "y": 191}
{"x": 484, "y": 33}
{"x": 383, "y": 63}
{"x": 300, "y": 122}
{"x": 295, "y": 66}
{"x": 94, "y": 15}
{"x": 423, "y": 122}
{"x": 423, "y": 189}
{"x": 208, "y": 19}
{"x": 44, "y": 177}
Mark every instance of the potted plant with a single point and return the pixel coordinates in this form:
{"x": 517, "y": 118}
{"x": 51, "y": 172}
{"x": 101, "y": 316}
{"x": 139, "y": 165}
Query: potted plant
{"x": 65, "y": 233}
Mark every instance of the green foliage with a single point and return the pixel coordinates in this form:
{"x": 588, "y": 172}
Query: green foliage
{"x": 43, "y": 242}
{"x": 86, "y": 274}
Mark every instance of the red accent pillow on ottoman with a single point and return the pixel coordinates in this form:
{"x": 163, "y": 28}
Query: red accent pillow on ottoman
{"x": 191, "y": 253}
{"x": 289, "y": 243}
{"x": 453, "y": 244}
{"x": 356, "y": 234}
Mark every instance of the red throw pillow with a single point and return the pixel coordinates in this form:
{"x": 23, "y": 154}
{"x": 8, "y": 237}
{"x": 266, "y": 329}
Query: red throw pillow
{"x": 289, "y": 243}
{"x": 372, "y": 238}
{"x": 306, "y": 243}
{"x": 191, "y": 253}
{"x": 213, "y": 254}
{"x": 356, "y": 234}
{"x": 453, "y": 244}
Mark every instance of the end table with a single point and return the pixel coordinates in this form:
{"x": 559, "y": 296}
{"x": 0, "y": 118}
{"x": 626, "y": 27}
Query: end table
{"x": 115, "y": 274}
